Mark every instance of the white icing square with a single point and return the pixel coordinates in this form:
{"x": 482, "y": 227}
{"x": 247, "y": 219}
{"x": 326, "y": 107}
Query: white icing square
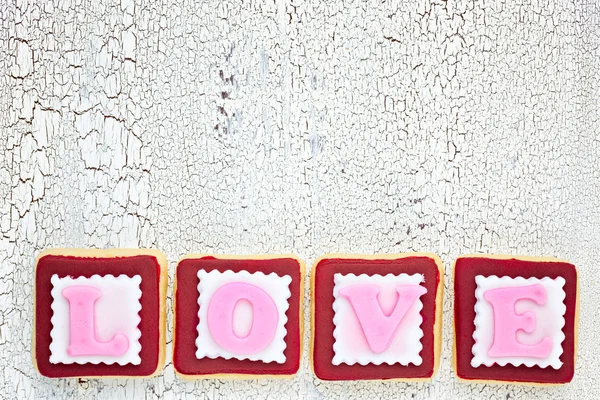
{"x": 351, "y": 346}
{"x": 277, "y": 287}
{"x": 549, "y": 321}
{"x": 117, "y": 310}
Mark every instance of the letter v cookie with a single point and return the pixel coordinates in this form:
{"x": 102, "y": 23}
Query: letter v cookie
{"x": 376, "y": 317}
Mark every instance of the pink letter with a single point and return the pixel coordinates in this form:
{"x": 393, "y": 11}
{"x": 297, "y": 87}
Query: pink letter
{"x": 507, "y": 322}
{"x": 220, "y": 318}
{"x": 377, "y": 327}
{"x": 82, "y": 325}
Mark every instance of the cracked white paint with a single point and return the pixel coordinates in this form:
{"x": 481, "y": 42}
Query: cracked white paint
{"x": 297, "y": 127}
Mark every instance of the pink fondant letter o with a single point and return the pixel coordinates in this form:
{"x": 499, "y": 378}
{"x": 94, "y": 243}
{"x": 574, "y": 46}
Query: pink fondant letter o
{"x": 507, "y": 322}
{"x": 220, "y": 318}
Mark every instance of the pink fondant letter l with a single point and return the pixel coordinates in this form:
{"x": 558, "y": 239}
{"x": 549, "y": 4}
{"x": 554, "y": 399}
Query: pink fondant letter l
{"x": 379, "y": 328}
{"x": 507, "y": 322}
{"x": 220, "y": 318}
{"x": 83, "y": 340}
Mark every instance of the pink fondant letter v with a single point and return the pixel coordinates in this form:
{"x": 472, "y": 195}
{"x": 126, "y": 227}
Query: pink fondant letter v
{"x": 378, "y": 328}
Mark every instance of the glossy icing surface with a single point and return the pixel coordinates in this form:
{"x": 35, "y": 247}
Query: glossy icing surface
{"x": 323, "y": 296}
{"x": 95, "y": 320}
{"x": 465, "y": 286}
{"x": 219, "y": 294}
{"x": 145, "y": 266}
{"x": 377, "y": 319}
{"x": 518, "y": 321}
{"x": 187, "y": 308}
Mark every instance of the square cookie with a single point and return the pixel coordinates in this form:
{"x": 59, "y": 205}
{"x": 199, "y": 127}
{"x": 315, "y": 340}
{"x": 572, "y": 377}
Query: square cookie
{"x": 99, "y": 313}
{"x": 515, "y": 319}
{"x": 376, "y": 317}
{"x": 238, "y": 316}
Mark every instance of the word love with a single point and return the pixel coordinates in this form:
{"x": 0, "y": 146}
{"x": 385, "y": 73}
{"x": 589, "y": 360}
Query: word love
{"x": 101, "y": 313}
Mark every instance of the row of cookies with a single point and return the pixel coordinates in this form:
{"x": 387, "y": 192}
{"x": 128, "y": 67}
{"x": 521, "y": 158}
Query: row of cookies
{"x": 102, "y": 313}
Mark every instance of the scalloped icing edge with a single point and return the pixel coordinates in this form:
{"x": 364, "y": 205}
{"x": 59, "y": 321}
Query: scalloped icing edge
{"x": 392, "y": 359}
{"x": 134, "y": 341}
{"x": 277, "y": 345}
{"x": 478, "y": 361}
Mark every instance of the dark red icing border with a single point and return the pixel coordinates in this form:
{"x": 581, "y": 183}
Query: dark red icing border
{"x": 464, "y": 315}
{"x": 186, "y": 318}
{"x": 144, "y": 265}
{"x": 323, "y": 317}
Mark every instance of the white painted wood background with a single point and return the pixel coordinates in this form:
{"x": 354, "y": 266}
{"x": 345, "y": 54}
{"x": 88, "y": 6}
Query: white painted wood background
{"x": 297, "y": 126}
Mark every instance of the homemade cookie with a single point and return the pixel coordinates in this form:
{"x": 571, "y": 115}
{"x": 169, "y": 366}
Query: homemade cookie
{"x": 515, "y": 319}
{"x": 99, "y": 313}
{"x": 376, "y": 317}
{"x": 238, "y": 316}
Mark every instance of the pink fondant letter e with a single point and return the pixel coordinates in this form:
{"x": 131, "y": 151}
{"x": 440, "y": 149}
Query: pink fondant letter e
{"x": 507, "y": 322}
{"x": 82, "y": 328}
{"x": 379, "y": 328}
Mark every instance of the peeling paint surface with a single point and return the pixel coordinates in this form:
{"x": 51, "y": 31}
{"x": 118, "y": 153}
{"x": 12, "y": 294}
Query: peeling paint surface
{"x": 301, "y": 127}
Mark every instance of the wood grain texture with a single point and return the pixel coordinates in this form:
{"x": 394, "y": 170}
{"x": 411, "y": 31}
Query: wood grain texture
{"x": 303, "y": 127}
